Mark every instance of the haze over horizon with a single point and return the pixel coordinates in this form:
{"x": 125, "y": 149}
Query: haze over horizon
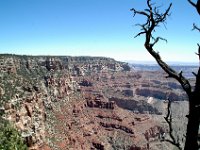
{"x": 93, "y": 28}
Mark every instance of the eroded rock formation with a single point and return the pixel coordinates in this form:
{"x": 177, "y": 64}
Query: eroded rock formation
{"x": 83, "y": 102}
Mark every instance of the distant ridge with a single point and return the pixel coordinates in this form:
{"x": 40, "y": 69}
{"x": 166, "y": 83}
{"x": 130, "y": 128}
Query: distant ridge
{"x": 174, "y": 63}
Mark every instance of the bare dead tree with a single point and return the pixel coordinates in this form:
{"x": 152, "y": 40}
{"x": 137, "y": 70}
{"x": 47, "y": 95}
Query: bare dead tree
{"x": 154, "y": 18}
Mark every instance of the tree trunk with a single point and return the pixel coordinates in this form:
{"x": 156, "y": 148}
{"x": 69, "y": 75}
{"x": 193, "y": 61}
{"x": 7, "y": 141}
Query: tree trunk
{"x": 193, "y": 124}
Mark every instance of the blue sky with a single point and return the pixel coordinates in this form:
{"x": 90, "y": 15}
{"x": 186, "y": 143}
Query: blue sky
{"x": 93, "y": 28}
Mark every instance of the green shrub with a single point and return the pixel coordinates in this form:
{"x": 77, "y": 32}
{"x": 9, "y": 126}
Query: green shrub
{"x": 10, "y": 138}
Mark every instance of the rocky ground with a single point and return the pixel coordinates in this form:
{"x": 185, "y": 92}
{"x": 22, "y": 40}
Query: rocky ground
{"x": 83, "y": 103}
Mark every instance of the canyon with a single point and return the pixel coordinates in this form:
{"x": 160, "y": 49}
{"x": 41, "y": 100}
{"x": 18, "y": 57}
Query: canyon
{"x": 89, "y": 103}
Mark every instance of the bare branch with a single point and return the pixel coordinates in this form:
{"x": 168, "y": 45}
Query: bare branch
{"x": 197, "y": 5}
{"x": 168, "y": 119}
{"x": 139, "y": 12}
{"x": 192, "y": 3}
{"x": 157, "y": 39}
{"x": 198, "y": 51}
{"x": 181, "y": 74}
{"x": 195, "y": 27}
{"x": 194, "y": 74}
{"x": 139, "y": 34}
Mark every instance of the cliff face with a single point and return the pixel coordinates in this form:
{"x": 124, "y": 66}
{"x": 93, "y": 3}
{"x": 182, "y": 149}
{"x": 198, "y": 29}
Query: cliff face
{"x": 32, "y": 85}
{"x": 82, "y": 103}
{"x": 75, "y": 65}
